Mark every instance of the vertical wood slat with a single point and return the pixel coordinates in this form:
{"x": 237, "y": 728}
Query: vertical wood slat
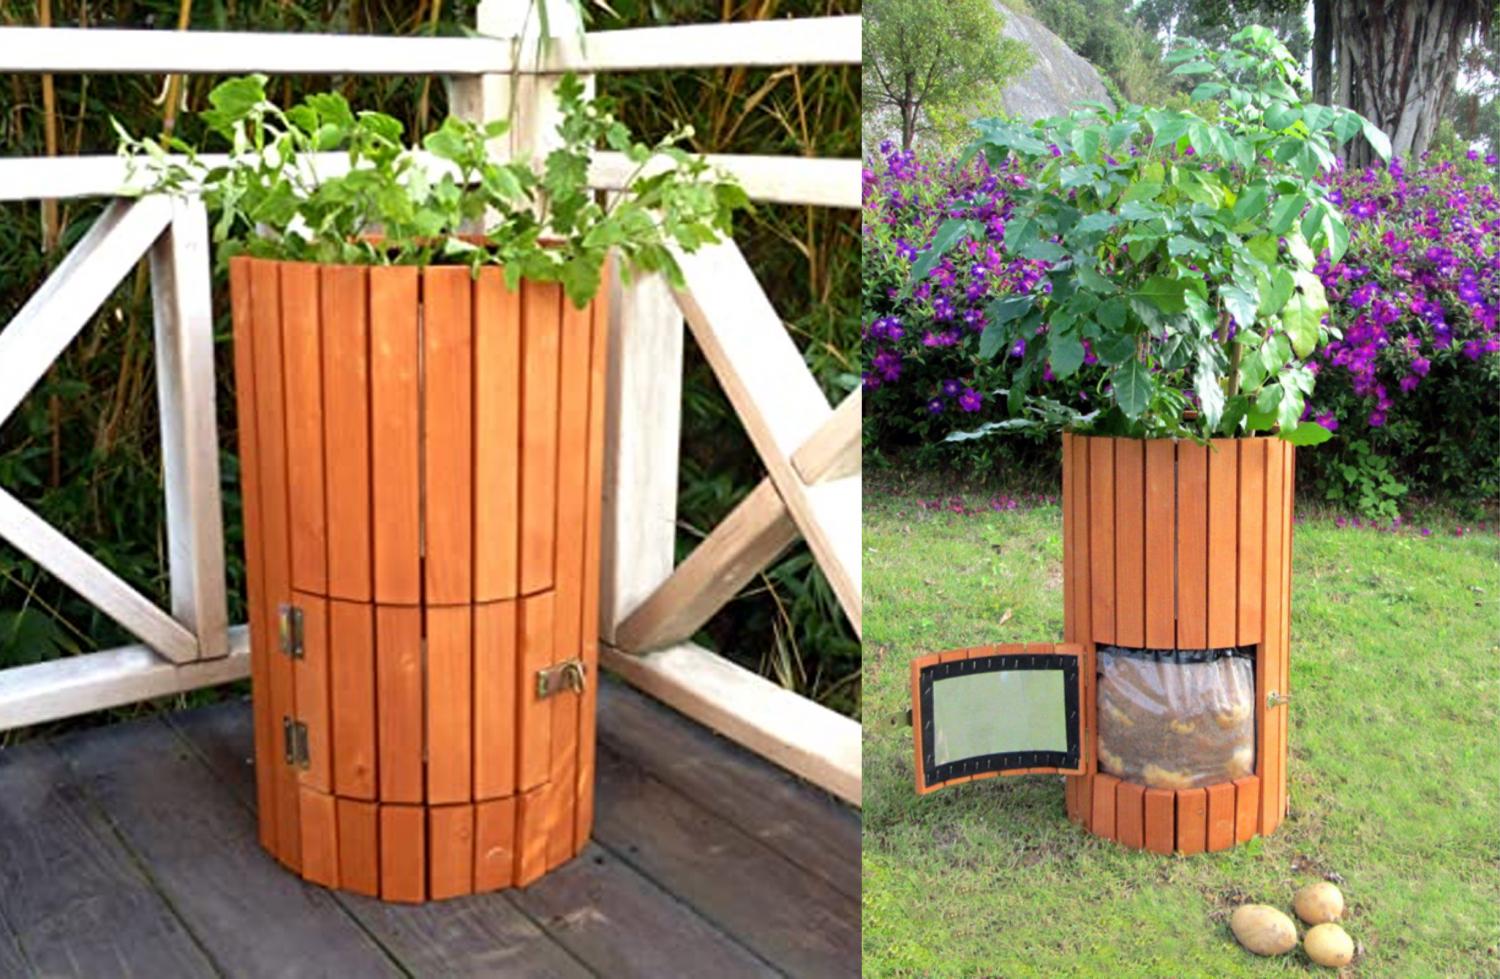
{"x": 359, "y": 847}
{"x": 320, "y": 841}
{"x": 494, "y": 844}
{"x": 1246, "y": 808}
{"x": 1101, "y": 539}
{"x": 1220, "y": 817}
{"x": 532, "y": 835}
{"x": 537, "y": 638}
{"x": 450, "y": 701}
{"x": 919, "y": 722}
{"x": 310, "y": 673}
{"x": 398, "y": 710}
{"x": 1160, "y": 544}
{"x": 351, "y": 647}
{"x": 271, "y": 446}
{"x": 540, "y": 342}
{"x": 1130, "y": 814}
{"x": 403, "y": 854}
{"x": 1192, "y": 546}
{"x": 1102, "y": 819}
{"x": 302, "y": 375}
{"x": 395, "y": 451}
{"x": 1070, "y": 544}
{"x": 497, "y": 446}
{"x": 1080, "y": 608}
{"x": 450, "y": 834}
{"x": 1223, "y": 562}
{"x": 244, "y": 321}
{"x": 343, "y": 294}
{"x": 1290, "y": 453}
{"x": 1130, "y": 543}
{"x": 1192, "y": 820}
{"x": 1161, "y": 813}
{"x": 495, "y": 706}
{"x": 1252, "y": 544}
{"x": 1268, "y": 663}
{"x": 447, "y": 435}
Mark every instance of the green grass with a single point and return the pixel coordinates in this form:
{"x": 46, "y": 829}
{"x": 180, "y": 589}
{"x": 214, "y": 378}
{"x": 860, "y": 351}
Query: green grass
{"x": 1395, "y": 769}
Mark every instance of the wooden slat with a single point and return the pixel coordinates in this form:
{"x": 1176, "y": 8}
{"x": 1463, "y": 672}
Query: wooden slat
{"x": 244, "y": 320}
{"x": 497, "y": 424}
{"x": 583, "y": 819}
{"x": 394, "y": 420}
{"x": 1102, "y": 818}
{"x": 1070, "y": 534}
{"x": 302, "y": 357}
{"x": 1192, "y": 820}
{"x": 344, "y": 296}
{"x": 449, "y": 710}
{"x": 271, "y": 446}
{"x": 768, "y": 43}
{"x": 1220, "y": 816}
{"x": 403, "y": 853}
{"x": 1130, "y": 542}
{"x": 1246, "y": 808}
{"x": 450, "y": 834}
{"x": 320, "y": 838}
{"x": 496, "y": 670}
{"x": 1161, "y": 544}
{"x": 537, "y": 651}
{"x": 533, "y": 833}
{"x": 1130, "y": 814}
{"x": 359, "y": 846}
{"x": 398, "y": 702}
{"x": 1252, "y": 543}
{"x": 1161, "y": 830}
{"x": 351, "y": 644}
{"x": 541, "y": 314}
{"x": 494, "y": 844}
{"x": 833, "y": 451}
{"x": 1285, "y": 710}
{"x": 448, "y": 435}
{"x": 310, "y": 673}
{"x": 919, "y": 722}
{"x": 1102, "y": 539}
{"x": 1270, "y": 757}
{"x": 1223, "y": 564}
{"x": 1192, "y": 546}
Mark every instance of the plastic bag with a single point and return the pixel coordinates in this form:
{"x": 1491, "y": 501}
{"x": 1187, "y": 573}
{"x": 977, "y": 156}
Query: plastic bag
{"x": 1176, "y": 719}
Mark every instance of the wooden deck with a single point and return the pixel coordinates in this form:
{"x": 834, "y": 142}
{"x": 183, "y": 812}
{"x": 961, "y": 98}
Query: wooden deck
{"x": 130, "y": 850}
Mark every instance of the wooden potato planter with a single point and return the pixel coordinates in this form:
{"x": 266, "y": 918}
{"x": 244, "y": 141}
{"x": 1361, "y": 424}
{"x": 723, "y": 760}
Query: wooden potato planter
{"x": 421, "y": 456}
{"x": 1166, "y": 704}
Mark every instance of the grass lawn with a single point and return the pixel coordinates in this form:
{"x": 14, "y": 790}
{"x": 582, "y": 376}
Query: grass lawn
{"x": 1395, "y": 768}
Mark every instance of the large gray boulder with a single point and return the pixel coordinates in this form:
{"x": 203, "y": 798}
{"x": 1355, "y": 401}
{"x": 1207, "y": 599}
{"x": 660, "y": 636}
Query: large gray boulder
{"x": 1056, "y": 82}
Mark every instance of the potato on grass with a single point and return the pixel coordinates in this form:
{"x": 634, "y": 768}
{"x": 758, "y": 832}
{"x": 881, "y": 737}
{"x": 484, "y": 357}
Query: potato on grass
{"x": 1318, "y": 903}
{"x": 1263, "y": 929}
{"x": 1329, "y": 945}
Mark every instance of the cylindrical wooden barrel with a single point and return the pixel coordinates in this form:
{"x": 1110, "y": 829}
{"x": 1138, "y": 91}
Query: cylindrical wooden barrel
{"x": 1177, "y": 546}
{"x": 421, "y": 459}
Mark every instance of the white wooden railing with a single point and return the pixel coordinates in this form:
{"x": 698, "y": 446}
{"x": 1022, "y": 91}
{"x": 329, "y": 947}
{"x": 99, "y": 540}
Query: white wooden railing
{"x": 650, "y": 607}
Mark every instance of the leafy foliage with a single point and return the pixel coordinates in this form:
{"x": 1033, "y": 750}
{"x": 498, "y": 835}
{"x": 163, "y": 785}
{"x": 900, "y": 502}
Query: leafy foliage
{"x": 392, "y": 206}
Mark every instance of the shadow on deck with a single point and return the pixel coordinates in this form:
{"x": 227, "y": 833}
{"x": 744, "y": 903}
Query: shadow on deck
{"x": 131, "y": 850}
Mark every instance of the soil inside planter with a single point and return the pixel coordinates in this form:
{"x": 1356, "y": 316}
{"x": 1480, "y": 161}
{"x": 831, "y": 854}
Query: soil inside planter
{"x": 1176, "y": 719}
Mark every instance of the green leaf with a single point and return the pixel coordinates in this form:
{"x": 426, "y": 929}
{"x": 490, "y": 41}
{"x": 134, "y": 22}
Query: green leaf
{"x": 948, "y": 234}
{"x": 1279, "y": 115}
{"x": 1096, "y": 222}
{"x": 1323, "y": 228}
{"x": 1146, "y": 190}
{"x": 1241, "y": 304}
{"x": 1210, "y": 394}
{"x": 1285, "y": 212}
{"x": 1195, "y": 68}
{"x": 1165, "y": 292}
{"x": 1300, "y": 319}
{"x": 1251, "y": 203}
{"x": 1064, "y": 352}
{"x": 1111, "y": 313}
{"x": 1208, "y": 90}
{"x": 1379, "y": 141}
{"x": 1275, "y": 291}
{"x": 1086, "y": 142}
{"x": 1000, "y": 313}
{"x": 1132, "y": 388}
{"x": 1306, "y": 433}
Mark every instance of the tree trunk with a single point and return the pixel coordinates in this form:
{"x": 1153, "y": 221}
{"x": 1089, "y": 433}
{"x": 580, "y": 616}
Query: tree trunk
{"x": 1397, "y": 61}
{"x": 1322, "y": 52}
{"x": 909, "y": 109}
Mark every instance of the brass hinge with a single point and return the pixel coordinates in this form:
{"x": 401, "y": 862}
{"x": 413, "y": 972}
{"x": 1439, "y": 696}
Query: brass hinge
{"x": 294, "y": 733}
{"x": 290, "y": 617}
{"x": 569, "y": 675}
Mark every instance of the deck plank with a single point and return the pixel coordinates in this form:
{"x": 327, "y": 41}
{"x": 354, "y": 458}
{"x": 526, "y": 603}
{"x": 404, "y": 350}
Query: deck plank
{"x": 68, "y": 888}
{"x": 620, "y": 924}
{"x": 253, "y": 917}
{"x": 784, "y": 913}
{"x": 807, "y": 826}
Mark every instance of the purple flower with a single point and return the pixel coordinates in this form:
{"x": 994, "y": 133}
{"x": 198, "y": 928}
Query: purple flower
{"x": 1018, "y": 349}
{"x": 935, "y": 406}
{"x": 1328, "y": 421}
{"x": 970, "y": 400}
{"x": 951, "y": 388}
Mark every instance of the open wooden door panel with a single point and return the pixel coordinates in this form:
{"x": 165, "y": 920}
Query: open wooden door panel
{"x": 997, "y": 710}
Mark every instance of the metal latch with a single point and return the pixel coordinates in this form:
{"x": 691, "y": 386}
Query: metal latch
{"x": 1275, "y": 699}
{"x": 569, "y": 675}
{"x": 294, "y": 734}
{"x": 290, "y": 617}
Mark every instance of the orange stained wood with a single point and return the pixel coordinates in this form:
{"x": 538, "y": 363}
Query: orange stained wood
{"x": 1083, "y": 557}
{"x": 448, "y": 434}
{"x": 1246, "y": 808}
{"x": 271, "y": 446}
{"x": 1223, "y": 563}
{"x": 260, "y": 640}
{"x": 351, "y": 643}
{"x": 1070, "y": 544}
{"x": 1130, "y": 814}
{"x": 403, "y": 853}
{"x": 1284, "y": 712}
{"x": 1220, "y": 816}
{"x": 310, "y": 671}
{"x": 398, "y": 654}
{"x": 395, "y": 448}
{"x": 1101, "y": 538}
{"x": 1102, "y": 818}
{"x": 1161, "y": 814}
{"x": 538, "y": 638}
{"x": 450, "y": 832}
{"x": 495, "y": 672}
{"x": 497, "y": 446}
{"x": 320, "y": 838}
{"x": 1192, "y": 546}
{"x": 1160, "y": 519}
{"x": 359, "y": 846}
{"x": 450, "y": 700}
{"x": 1192, "y": 820}
{"x": 533, "y": 834}
{"x": 1252, "y": 542}
{"x": 1130, "y": 543}
{"x": 494, "y": 844}
{"x": 1269, "y": 757}
{"x": 541, "y": 309}
{"x": 343, "y": 298}
{"x": 303, "y": 377}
